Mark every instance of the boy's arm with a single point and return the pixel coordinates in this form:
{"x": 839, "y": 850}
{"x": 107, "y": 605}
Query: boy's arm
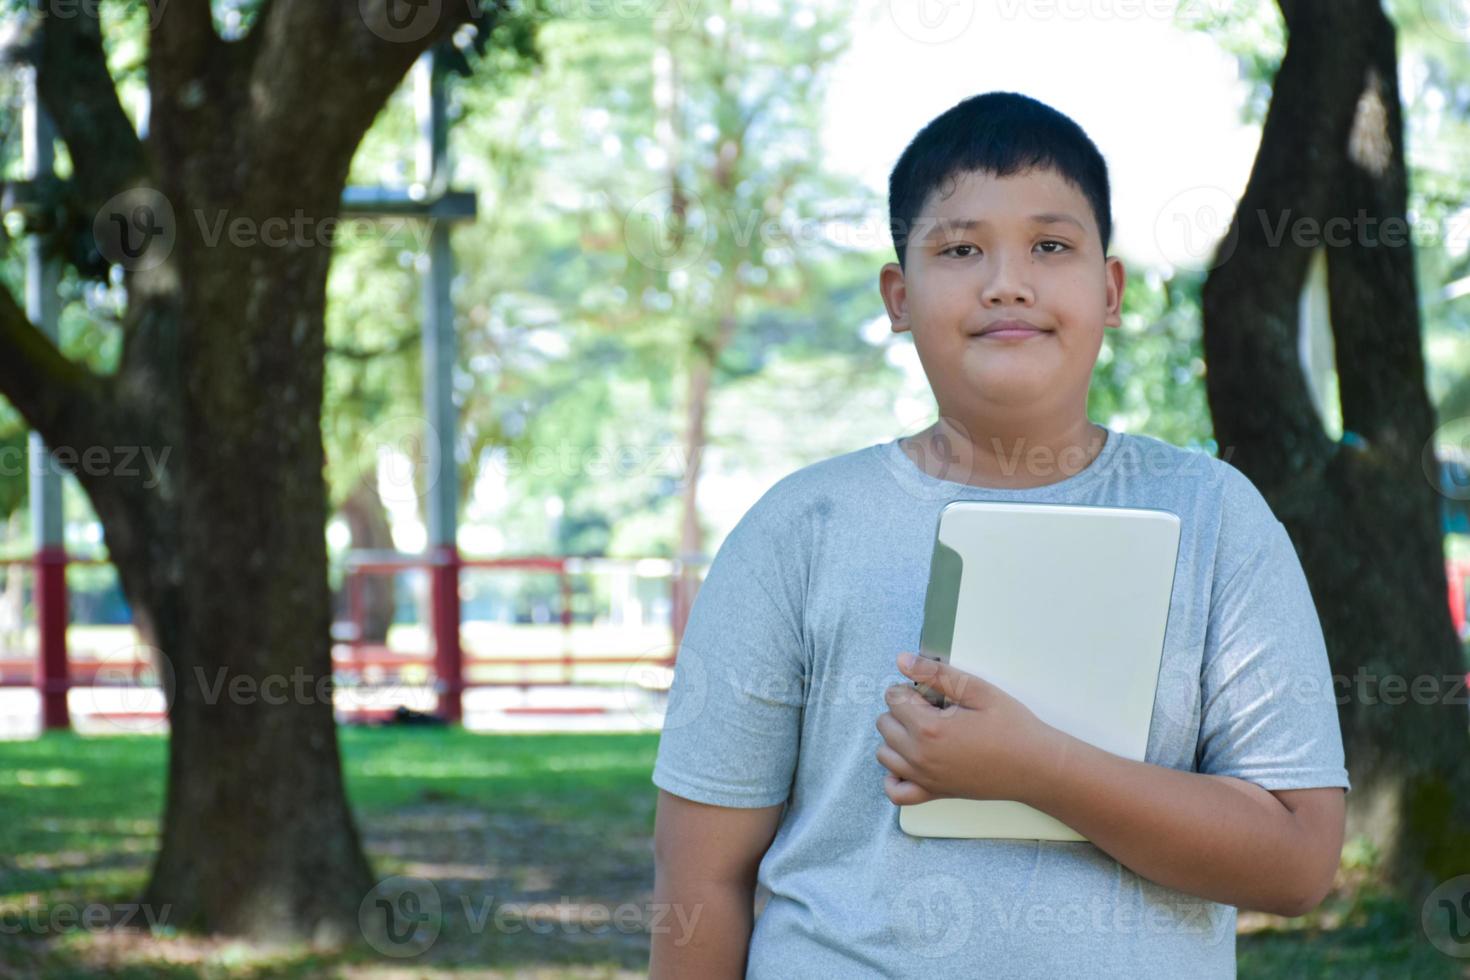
{"x": 705, "y": 862}
{"x": 1218, "y": 837}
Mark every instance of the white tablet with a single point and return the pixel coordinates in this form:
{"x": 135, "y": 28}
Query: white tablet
{"x": 1064, "y": 607}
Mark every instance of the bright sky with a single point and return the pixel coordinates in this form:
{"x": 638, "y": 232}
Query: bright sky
{"x": 1160, "y": 101}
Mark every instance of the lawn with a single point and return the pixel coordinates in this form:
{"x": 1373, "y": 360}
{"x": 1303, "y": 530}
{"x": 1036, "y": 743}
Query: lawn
{"x": 512, "y": 831}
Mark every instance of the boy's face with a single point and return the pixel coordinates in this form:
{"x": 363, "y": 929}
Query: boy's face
{"x": 1033, "y": 254}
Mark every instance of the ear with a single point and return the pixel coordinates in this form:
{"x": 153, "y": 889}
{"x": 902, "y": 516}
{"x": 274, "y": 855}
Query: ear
{"x": 895, "y": 295}
{"x": 1117, "y": 278}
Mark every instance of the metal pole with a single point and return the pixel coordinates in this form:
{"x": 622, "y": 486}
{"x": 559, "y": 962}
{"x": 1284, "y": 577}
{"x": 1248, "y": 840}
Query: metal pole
{"x": 438, "y": 365}
{"x": 42, "y": 307}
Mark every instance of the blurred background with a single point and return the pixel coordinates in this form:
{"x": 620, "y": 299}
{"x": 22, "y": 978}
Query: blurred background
{"x": 377, "y": 380}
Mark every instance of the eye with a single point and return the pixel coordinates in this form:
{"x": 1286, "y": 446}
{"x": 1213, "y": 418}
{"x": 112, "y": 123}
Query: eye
{"x": 951, "y": 248}
{"x": 1060, "y": 246}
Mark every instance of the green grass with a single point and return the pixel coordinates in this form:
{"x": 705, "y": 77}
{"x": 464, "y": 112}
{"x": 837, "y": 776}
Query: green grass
{"x": 520, "y": 818}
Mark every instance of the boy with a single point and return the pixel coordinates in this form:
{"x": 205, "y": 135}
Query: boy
{"x": 794, "y": 731}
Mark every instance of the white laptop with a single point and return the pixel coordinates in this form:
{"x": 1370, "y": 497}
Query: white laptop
{"x": 1064, "y": 607}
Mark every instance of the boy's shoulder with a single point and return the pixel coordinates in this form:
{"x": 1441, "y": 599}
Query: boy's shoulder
{"x": 807, "y": 487}
{"x": 801, "y": 497}
{"x": 1223, "y": 481}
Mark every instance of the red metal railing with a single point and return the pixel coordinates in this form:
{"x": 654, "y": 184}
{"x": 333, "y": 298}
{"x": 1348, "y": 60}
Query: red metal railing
{"x": 354, "y": 659}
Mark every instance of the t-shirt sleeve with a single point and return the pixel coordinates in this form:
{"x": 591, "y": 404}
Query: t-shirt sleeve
{"x": 1268, "y": 705}
{"x": 733, "y": 721}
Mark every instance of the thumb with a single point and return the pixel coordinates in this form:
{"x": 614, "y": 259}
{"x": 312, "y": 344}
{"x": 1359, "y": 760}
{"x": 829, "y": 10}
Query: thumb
{"x": 957, "y": 685}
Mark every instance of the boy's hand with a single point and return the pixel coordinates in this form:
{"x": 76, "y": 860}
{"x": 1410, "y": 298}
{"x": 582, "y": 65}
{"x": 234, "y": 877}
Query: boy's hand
{"x": 984, "y": 745}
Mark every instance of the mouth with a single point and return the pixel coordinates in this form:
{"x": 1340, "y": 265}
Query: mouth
{"x": 1009, "y": 330}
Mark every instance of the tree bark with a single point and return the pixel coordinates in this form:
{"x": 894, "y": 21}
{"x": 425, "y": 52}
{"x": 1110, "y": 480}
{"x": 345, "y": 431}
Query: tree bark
{"x": 1361, "y": 511}
{"x": 220, "y": 376}
{"x": 368, "y": 522}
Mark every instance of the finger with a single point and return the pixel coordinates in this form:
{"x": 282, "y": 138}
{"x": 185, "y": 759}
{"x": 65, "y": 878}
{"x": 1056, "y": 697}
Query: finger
{"x": 896, "y": 735}
{"x": 896, "y": 764}
{"x": 903, "y": 792}
{"x": 910, "y": 708}
{"x": 959, "y": 686}
{"x": 896, "y": 694}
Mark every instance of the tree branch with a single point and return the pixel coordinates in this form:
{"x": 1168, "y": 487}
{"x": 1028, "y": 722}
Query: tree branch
{"x": 1373, "y": 300}
{"x": 398, "y": 346}
{"x": 55, "y": 395}
{"x": 350, "y": 57}
{"x": 1257, "y": 390}
{"x": 80, "y": 95}
{"x": 180, "y": 47}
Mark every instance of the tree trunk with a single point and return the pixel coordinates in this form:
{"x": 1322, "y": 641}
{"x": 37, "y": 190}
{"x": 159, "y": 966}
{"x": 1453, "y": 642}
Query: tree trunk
{"x": 1361, "y": 511}
{"x": 223, "y": 559}
{"x": 368, "y": 522}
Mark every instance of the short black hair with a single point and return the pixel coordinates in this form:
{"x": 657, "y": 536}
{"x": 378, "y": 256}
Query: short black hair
{"x": 1001, "y": 133}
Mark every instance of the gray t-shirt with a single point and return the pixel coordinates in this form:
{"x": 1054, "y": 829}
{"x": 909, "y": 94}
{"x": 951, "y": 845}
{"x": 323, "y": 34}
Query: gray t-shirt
{"x": 779, "y": 684}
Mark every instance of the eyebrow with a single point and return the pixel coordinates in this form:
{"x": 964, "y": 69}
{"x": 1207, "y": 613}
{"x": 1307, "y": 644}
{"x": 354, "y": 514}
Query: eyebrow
{"x": 1044, "y": 218}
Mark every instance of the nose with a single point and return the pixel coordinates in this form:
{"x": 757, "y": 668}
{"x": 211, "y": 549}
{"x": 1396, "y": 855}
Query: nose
{"x": 1008, "y": 283}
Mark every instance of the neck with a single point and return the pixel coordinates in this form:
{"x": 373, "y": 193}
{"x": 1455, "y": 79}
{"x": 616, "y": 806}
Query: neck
{"x": 1009, "y": 454}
